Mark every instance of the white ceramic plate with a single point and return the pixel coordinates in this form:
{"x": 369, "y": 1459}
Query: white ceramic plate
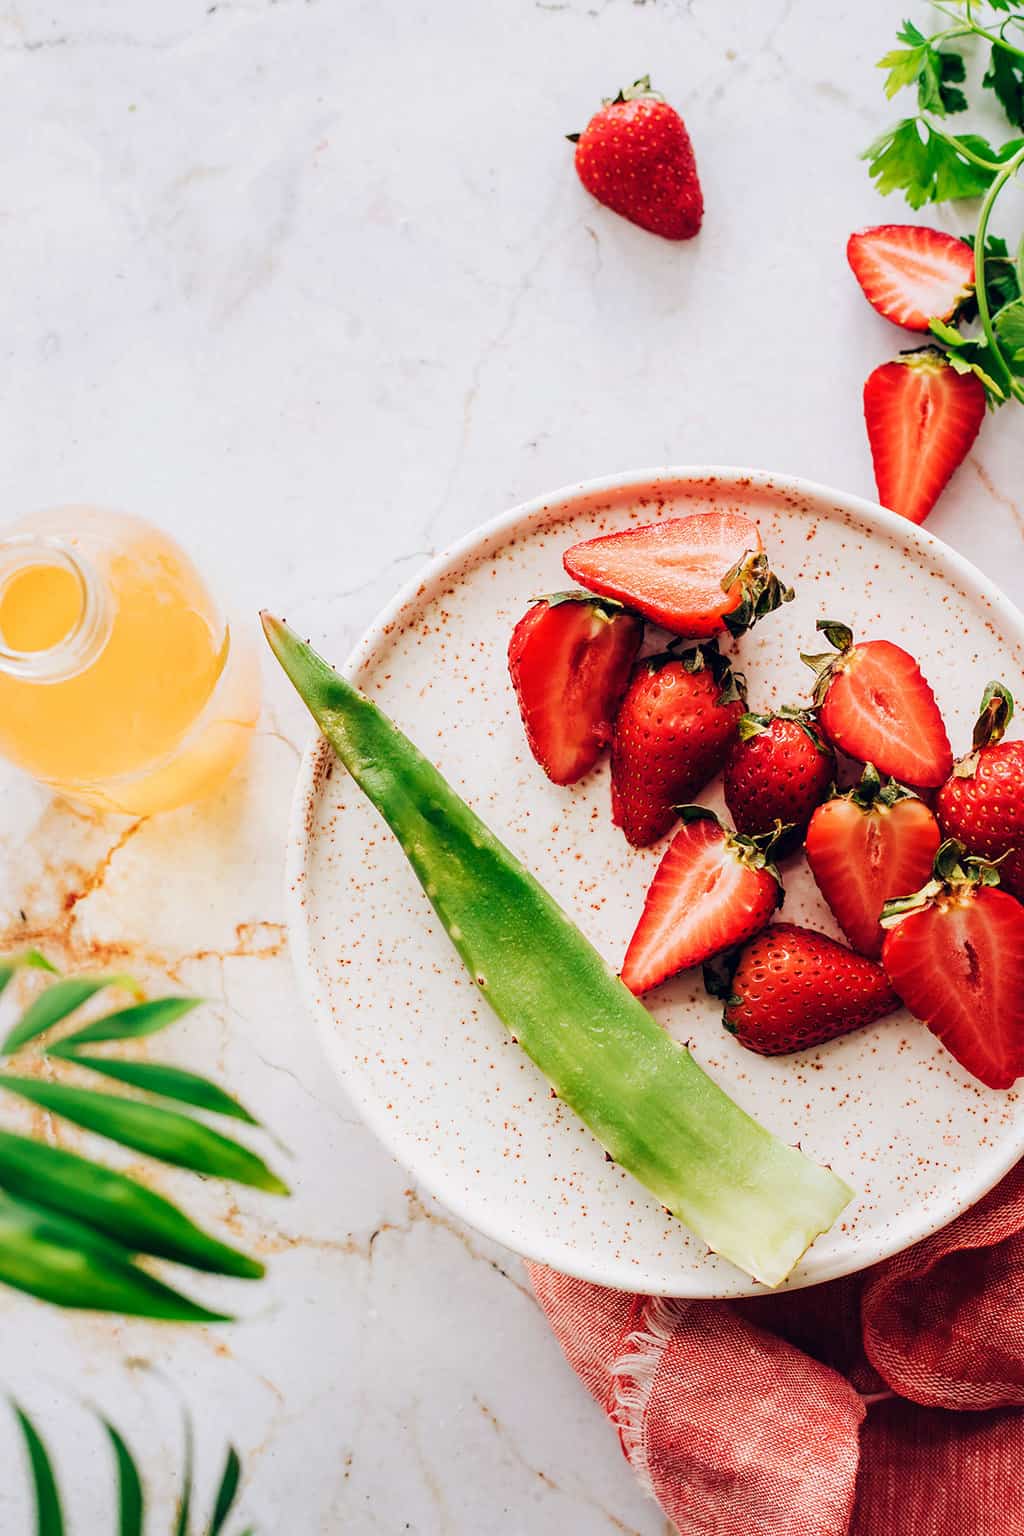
{"x": 429, "y": 1066}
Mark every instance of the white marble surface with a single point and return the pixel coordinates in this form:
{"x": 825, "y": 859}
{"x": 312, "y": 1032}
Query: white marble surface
{"x": 313, "y": 285}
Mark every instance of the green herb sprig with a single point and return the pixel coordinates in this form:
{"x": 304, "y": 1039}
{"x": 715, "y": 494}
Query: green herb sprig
{"x": 72, "y": 1231}
{"x": 925, "y": 161}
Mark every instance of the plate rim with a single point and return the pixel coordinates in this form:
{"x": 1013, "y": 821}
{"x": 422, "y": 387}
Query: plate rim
{"x": 300, "y": 839}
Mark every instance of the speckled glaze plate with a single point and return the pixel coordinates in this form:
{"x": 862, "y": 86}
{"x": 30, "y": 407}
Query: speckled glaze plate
{"x": 431, "y": 1069}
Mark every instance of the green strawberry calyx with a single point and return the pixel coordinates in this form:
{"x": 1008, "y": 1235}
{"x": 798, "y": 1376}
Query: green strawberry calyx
{"x": 640, "y": 90}
{"x": 955, "y": 873}
{"x": 753, "y": 724}
{"x": 873, "y": 793}
{"x": 826, "y": 665}
{"x": 990, "y": 727}
{"x": 753, "y": 851}
{"x": 604, "y": 607}
{"x": 761, "y": 591}
{"x": 706, "y": 657}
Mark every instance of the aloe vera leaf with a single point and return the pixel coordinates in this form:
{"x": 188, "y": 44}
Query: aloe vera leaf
{"x": 748, "y": 1195}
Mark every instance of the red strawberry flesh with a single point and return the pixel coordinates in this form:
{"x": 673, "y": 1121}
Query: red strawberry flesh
{"x": 959, "y": 966}
{"x": 910, "y": 274}
{"x": 570, "y": 663}
{"x": 879, "y": 709}
{"x": 704, "y": 898}
{"x": 922, "y": 418}
{"x": 861, "y": 859}
{"x": 672, "y": 571}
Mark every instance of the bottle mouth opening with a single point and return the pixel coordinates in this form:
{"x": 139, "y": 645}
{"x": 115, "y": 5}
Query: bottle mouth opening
{"x": 50, "y": 628}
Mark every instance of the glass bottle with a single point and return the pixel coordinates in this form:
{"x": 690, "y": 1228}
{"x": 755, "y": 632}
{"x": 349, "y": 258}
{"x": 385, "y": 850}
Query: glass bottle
{"x": 120, "y": 683}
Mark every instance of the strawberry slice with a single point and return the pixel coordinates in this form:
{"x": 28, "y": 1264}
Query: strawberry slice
{"x": 795, "y": 988}
{"x": 570, "y": 658}
{"x": 956, "y": 957}
{"x": 910, "y": 274}
{"x": 922, "y": 417}
{"x": 711, "y": 890}
{"x": 875, "y": 705}
{"x": 867, "y": 846}
{"x": 696, "y": 576}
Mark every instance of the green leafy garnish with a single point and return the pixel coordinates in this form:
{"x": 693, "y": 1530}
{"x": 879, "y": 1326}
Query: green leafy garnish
{"x": 921, "y": 158}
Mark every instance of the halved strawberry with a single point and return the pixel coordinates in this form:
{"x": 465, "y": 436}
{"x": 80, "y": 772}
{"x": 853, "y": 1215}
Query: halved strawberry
{"x": 875, "y": 705}
{"x": 956, "y": 957}
{"x": 712, "y": 890}
{"x": 696, "y": 576}
{"x": 982, "y": 802}
{"x": 778, "y": 770}
{"x": 866, "y": 846}
{"x": 570, "y": 658}
{"x": 922, "y": 417}
{"x": 672, "y": 735}
{"x": 910, "y": 274}
{"x": 794, "y": 988}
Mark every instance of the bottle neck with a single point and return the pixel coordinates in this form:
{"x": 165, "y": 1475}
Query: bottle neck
{"x": 89, "y": 625}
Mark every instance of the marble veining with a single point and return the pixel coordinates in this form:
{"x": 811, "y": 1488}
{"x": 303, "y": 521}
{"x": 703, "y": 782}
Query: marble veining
{"x": 312, "y": 284}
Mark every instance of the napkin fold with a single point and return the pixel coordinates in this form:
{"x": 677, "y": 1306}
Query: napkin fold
{"x": 883, "y": 1404}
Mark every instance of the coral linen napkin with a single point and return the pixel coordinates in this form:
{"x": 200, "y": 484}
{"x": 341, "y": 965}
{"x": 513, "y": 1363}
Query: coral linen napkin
{"x": 886, "y": 1404}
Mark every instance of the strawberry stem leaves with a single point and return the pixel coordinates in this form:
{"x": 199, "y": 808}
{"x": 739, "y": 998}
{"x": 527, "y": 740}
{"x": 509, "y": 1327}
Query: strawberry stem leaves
{"x": 761, "y": 592}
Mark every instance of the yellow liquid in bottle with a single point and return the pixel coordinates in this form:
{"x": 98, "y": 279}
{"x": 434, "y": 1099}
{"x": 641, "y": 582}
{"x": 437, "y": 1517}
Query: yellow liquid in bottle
{"x": 159, "y": 707}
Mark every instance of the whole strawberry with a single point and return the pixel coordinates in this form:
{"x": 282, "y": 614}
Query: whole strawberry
{"x": 673, "y": 733}
{"x": 779, "y": 769}
{"x": 982, "y": 803}
{"x": 635, "y": 156}
{"x": 794, "y": 988}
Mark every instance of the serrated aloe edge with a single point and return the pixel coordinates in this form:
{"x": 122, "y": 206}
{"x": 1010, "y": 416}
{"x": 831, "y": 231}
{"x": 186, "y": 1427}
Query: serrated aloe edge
{"x": 746, "y": 1194}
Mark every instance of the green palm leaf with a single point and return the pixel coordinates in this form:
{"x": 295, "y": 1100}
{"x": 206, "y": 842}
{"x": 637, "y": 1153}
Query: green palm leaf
{"x": 163, "y": 1133}
{"x": 49, "y": 1518}
{"x": 31, "y": 959}
{"x": 130, "y": 1498}
{"x": 115, "y": 1205}
{"x": 132, "y": 1023}
{"x": 226, "y": 1493}
{"x": 185, "y": 1501}
{"x": 155, "y": 1077}
{"x": 55, "y": 1004}
{"x": 63, "y": 1261}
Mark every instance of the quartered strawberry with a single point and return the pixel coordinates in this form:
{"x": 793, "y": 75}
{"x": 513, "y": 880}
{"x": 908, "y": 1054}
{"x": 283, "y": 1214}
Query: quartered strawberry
{"x": 956, "y": 957}
{"x": 712, "y": 890}
{"x": 868, "y": 845}
{"x": 875, "y": 705}
{"x": 795, "y": 988}
{"x": 570, "y": 658}
{"x": 696, "y": 576}
{"x": 778, "y": 770}
{"x": 673, "y": 733}
{"x": 922, "y": 417}
{"x": 982, "y": 803}
{"x": 635, "y": 156}
{"x": 910, "y": 274}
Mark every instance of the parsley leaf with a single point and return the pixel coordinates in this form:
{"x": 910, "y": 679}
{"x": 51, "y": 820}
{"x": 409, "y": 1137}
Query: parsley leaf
{"x": 1005, "y": 76}
{"x": 911, "y": 158}
{"x": 1009, "y": 327}
{"x": 967, "y": 355}
{"x": 932, "y": 70}
{"x": 1002, "y": 281}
